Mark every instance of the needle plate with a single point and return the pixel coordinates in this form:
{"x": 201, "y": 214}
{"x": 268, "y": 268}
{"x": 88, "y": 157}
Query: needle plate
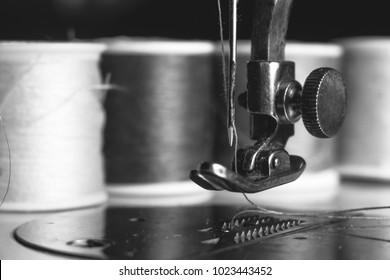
{"x": 160, "y": 233}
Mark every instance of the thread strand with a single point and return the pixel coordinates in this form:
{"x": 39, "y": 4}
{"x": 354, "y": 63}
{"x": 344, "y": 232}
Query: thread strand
{"x": 9, "y": 160}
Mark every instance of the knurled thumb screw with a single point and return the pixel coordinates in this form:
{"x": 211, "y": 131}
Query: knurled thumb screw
{"x": 324, "y": 102}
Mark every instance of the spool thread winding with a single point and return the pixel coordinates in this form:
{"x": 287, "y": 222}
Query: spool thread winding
{"x": 159, "y": 127}
{"x": 54, "y": 122}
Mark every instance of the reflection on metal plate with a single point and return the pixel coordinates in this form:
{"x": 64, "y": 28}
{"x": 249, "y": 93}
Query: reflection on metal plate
{"x": 203, "y": 233}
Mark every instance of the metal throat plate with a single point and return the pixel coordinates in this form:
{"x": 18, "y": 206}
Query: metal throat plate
{"x": 209, "y": 232}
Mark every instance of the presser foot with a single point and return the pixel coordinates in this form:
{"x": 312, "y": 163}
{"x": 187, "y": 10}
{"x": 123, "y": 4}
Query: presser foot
{"x": 213, "y": 176}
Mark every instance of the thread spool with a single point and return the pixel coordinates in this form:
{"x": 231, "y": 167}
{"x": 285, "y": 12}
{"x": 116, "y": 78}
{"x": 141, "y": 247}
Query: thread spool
{"x": 320, "y": 181}
{"x": 364, "y": 151}
{"x": 53, "y": 118}
{"x": 158, "y": 119}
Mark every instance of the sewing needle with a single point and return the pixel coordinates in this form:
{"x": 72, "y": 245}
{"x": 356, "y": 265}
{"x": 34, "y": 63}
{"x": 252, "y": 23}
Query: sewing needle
{"x": 232, "y": 67}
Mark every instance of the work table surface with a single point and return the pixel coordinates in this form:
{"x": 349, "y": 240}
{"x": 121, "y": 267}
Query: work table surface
{"x": 192, "y": 232}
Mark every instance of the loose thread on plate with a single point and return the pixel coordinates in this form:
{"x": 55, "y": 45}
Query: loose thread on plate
{"x": 341, "y": 214}
{"x": 324, "y": 214}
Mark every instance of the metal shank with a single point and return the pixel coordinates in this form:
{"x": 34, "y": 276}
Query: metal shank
{"x": 268, "y": 73}
{"x": 264, "y": 80}
{"x": 269, "y": 29}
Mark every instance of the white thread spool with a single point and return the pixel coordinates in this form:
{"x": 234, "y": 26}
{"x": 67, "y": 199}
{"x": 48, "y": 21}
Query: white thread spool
{"x": 320, "y": 181}
{"x": 364, "y": 150}
{"x": 53, "y": 117}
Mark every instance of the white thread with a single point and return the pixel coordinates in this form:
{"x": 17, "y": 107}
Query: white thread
{"x": 54, "y": 123}
{"x": 2, "y": 175}
{"x": 223, "y": 57}
{"x": 341, "y": 215}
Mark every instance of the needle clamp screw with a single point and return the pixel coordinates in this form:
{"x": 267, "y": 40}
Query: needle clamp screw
{"x": 324, "y": 102}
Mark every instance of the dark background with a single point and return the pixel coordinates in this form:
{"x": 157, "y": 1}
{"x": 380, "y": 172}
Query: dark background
{"x": 58, "y": 20}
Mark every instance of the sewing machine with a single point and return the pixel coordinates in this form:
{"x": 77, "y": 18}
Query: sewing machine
{"x": 275, "y": 101}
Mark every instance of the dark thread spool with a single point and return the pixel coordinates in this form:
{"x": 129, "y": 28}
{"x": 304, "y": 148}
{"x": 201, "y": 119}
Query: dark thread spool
{"x": 159, "y": 123}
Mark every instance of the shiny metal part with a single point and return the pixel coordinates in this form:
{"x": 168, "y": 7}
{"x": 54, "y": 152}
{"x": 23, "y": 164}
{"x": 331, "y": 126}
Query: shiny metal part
{"x": 275, "y": 101}
{"x": 213, "y": 176}
{"x": 270, "y": 85}
{"x": 211, "y": 232}
{"x": 270, "y": 29}
{"x": 265, "y": 164}
{"x": 288, "y": 103}
{"x": 206, "y": 232}
{"x": 324, "y": 102}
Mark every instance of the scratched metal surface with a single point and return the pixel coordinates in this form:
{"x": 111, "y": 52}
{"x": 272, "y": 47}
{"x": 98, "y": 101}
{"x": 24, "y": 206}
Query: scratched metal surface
{"x": 206, "y": 232}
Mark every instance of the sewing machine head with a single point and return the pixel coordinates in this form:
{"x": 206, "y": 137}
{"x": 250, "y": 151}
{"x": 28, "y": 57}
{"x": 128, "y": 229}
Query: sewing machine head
{"x": 275, "y": 102}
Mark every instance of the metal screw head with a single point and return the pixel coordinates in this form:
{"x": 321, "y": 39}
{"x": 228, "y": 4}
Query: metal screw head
{"x": 288, "y": 102}
{"x": 324, "y": 102}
